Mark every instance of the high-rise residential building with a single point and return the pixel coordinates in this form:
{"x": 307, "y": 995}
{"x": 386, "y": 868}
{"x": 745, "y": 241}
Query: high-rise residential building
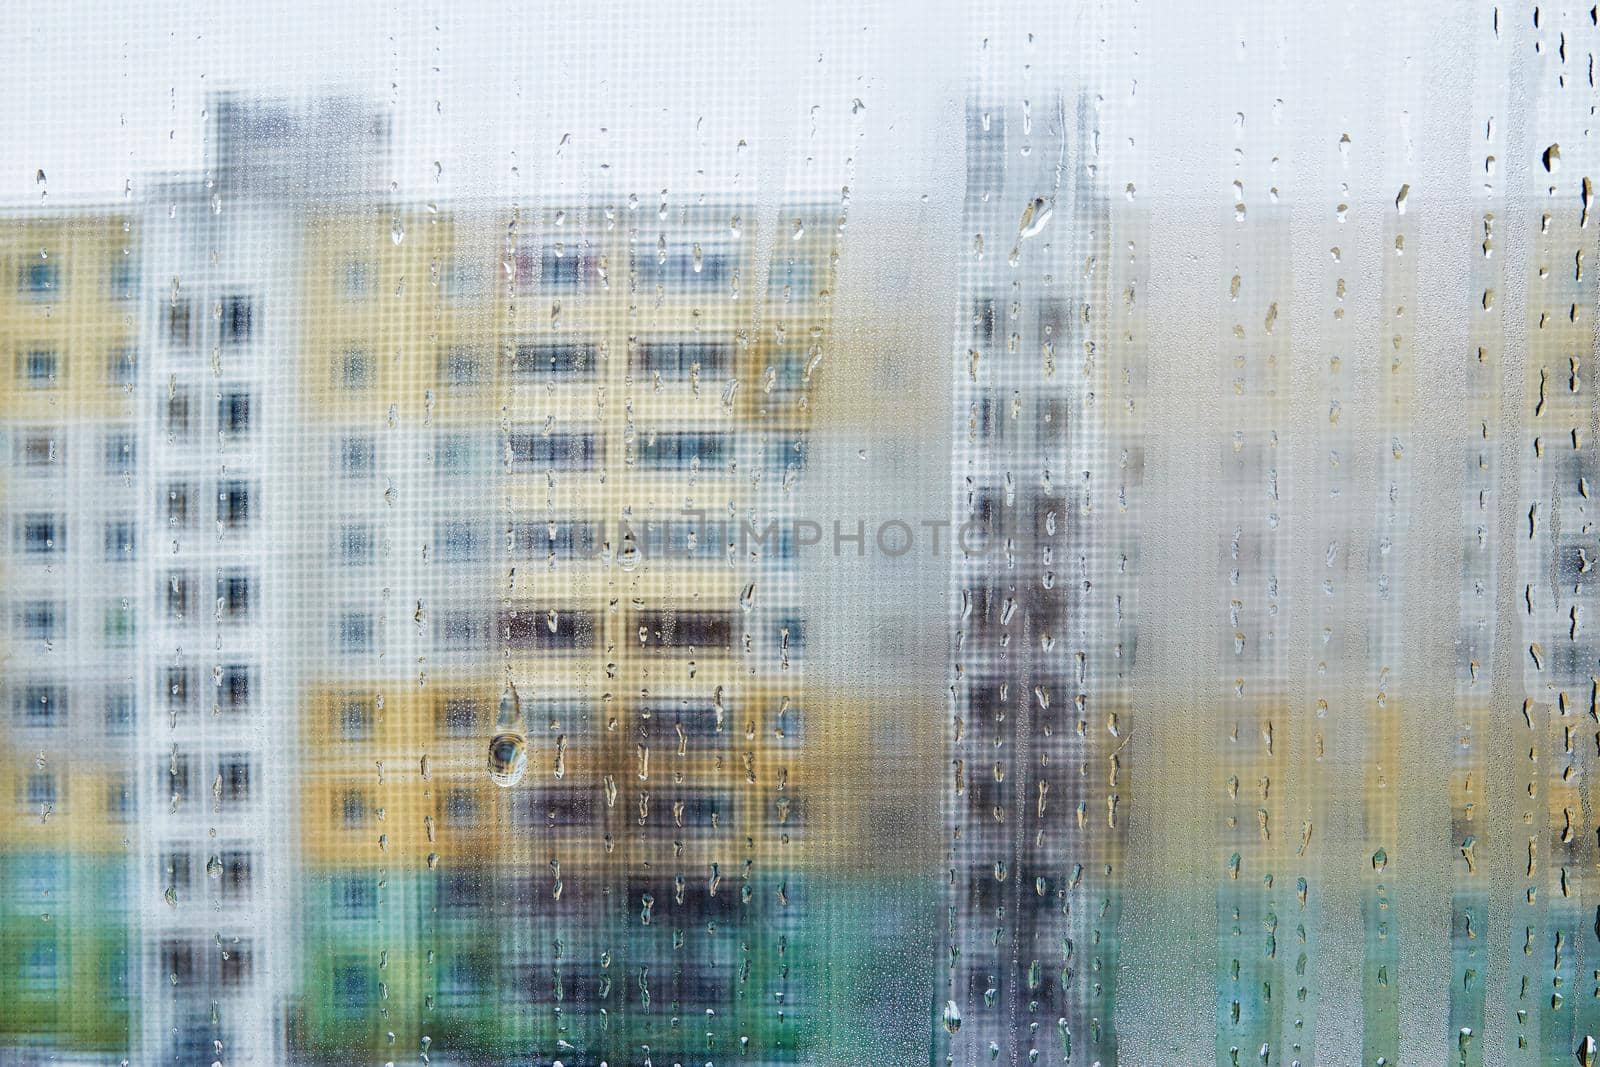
{"x": 543, "y": 451}
{"x": 355, "y": 485}
{"x": 1047, "y": 468}
{"x": 225, "y": 609}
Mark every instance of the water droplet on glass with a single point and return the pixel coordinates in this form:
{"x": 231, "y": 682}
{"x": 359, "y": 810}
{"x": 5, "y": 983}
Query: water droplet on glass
{"x": 508, "y": 759}
{"x": 1034, "y": 218}
{"x": 508, "y": 751}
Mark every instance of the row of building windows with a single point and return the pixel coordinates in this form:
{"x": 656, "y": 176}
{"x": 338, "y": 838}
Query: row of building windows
{"x": 531, "y": 450}
{"x": 235, "y": 315}
{"x": 463, "y": 540}
{"x": 677, "y": 266}
{"x": 43, "y": 278}
{"x": 186, "y": 965}
{"x": 43, "y": 968}
{"x": 560, "y": 267}
{"x": 469, "y": 981}
{"x": 234, "y": 410}
{"x": 554, "y": 267}
{"x": 43, "y": 533}
{"x": 46, "y": 704}
{"x": 45, "y": 452}
{"x": 235, "y": 595}
{"x": 42, "y": 366}
{"x": 43, "y": 791}
{"x": 535, "y": 450}
{"x": 230, "y": 870}
{"x": 700, "y": 725}
{"x": 356, "y": 632}
{"x": 668, "y": 816}
{"x": 177, "y": 781}
{"x": 466, "y": 365}
{"x": 31, "y": 877}
{"x": 356, "y": 896}
{"x": 460, "y": 366}
{"x": 45, "y": 619}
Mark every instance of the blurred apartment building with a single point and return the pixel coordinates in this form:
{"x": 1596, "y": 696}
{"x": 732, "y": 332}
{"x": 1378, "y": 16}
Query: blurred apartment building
{"x": 1048, "y": 365}
{"x": 1047, "y": 466}
{"x": 72, "y": 512}
{"x": 304, "y": 489}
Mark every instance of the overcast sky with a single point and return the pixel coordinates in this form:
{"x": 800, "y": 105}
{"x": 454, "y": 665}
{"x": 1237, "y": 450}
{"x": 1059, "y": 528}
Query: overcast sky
{"x": 727, "y": 95}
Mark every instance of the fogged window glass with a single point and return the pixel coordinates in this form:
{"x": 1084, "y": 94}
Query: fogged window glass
{"x": 774, "y": 534}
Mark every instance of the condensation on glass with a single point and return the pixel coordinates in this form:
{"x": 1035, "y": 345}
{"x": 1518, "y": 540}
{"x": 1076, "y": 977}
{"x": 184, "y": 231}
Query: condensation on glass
{"x": 800, "y": 536}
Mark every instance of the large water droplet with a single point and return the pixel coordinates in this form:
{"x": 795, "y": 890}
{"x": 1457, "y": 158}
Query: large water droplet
{"x": 1034, "y": 218}
{"x": 508, "y": 759}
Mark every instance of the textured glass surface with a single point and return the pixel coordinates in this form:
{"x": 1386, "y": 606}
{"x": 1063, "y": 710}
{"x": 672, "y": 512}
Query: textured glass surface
{"x": 732, "y": 534}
